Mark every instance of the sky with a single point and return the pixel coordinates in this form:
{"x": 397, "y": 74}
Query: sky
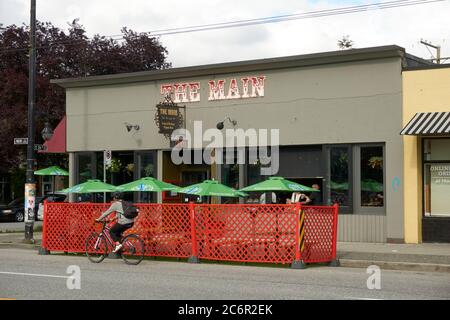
{"x": 404, "y": 26}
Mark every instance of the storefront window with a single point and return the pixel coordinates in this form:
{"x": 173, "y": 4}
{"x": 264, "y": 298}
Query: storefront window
{"x": 100, "y": 165}
{"x": 85, "y": 170}
{"x": 147, "y": 168}
{"x": 371, "y": 176}
{"x": 253, "y": 167}
{"x": 339, "y": 176}
{"x": 230, "y": 174}
{"x": 147, "y": 164}
{"x": 437, "y": 177}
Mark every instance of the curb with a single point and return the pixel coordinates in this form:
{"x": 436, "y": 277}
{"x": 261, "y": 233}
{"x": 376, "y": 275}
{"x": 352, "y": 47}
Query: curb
{"x": 390, "y": 265}
{"x": 16, "y": 245}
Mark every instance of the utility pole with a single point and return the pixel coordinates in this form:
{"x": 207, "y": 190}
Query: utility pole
{"x": 30, "y": 184}
{"x": 438, "y": 50}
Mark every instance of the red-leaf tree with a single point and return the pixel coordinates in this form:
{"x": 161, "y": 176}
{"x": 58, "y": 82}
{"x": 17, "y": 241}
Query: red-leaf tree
{"x": 60, "y": 54}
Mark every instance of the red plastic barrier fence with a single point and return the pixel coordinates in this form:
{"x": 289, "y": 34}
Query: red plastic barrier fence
{"x": 232, "y": 232}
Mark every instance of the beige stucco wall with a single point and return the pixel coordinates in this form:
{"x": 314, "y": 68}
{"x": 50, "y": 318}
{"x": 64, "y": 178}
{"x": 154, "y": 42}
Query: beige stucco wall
{"x": 423, "y": 91}
{"x": 325, "y": 104}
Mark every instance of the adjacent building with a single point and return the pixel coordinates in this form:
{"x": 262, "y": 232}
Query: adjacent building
{"x": 426, "y": 119}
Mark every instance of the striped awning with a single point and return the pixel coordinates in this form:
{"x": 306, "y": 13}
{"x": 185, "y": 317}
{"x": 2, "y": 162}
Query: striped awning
{"x": 428, "y": 123}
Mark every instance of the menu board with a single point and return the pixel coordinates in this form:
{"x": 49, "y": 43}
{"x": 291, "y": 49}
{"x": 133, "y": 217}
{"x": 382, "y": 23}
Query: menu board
{"x": 168, "y": 118}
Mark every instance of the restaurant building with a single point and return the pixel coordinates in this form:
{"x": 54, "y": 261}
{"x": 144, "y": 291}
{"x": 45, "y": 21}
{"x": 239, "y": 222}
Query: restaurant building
{"x": 426, "y": 134}
{"x": 339, "y": 115}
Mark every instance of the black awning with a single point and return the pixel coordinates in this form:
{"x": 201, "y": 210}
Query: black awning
{"x": 428, "y": 123}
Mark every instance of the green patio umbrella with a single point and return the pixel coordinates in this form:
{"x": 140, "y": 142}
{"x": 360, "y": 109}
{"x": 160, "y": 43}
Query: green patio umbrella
{"x": 63, "y": 191}
{"x": 339, "y": 186}
{"x": 278, "y": 184}
{"x": 211, "y": 188}
{"x": 371, "y": 185}
{"x": 147, "y": 184}
{"x": 91, "y": 186}
{"x": 52, "y": 171}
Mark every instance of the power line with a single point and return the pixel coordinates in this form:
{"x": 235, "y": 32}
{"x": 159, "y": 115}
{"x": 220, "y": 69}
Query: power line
{"x": 249, "y": 22}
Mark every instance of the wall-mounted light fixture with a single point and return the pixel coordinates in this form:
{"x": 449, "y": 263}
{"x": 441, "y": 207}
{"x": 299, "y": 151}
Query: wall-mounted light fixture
{"x": 220, "y": 125}
{"x": 130, "y": 126}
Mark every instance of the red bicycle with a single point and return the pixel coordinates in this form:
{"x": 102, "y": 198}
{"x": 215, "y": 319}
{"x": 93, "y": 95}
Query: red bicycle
{"x": 99, "y": 245}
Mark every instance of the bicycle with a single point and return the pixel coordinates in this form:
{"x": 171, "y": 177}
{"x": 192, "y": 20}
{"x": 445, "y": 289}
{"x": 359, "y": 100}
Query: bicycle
{"x": 99, "y": 245}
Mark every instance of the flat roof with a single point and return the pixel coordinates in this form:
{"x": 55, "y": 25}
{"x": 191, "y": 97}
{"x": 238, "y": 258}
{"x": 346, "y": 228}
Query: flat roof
{"x": 322, "y": 58}
{"x": 430, "y": 67}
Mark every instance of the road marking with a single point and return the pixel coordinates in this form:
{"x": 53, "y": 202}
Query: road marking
{"x": 7, "y": 299}
{"x": 362, "y": 298}
{"x": 33, "y": 275}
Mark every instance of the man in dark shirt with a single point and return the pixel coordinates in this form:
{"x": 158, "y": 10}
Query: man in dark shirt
{"x": 315, "y": 199}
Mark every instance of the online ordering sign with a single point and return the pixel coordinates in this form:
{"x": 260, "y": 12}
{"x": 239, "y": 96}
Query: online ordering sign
{"x": 440, "y": 189}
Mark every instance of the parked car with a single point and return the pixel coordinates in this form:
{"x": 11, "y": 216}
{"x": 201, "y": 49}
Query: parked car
{"x": 50, "y": 197}
{"x": 13, "y": 211}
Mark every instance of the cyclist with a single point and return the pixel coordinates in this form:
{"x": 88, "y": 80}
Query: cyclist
{"x": 122, "y": 224}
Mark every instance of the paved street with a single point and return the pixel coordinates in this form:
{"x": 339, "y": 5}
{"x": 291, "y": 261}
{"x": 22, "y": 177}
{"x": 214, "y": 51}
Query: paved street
{"x": 16, "y": 226}
{"x": 26, "y": 275}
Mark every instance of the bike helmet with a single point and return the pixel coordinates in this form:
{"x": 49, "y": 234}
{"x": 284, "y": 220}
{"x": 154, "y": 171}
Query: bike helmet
{"x": 117, "y": 195}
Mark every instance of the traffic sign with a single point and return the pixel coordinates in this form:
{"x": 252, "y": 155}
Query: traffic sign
{"x": 40, "y": 147}
{"x": 108, "y": 157}
{"x": 20, "y": 140}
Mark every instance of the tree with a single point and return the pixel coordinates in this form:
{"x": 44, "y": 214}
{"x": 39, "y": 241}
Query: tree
{"x": 345, "y": 43}
{"x": 60, "y": 54}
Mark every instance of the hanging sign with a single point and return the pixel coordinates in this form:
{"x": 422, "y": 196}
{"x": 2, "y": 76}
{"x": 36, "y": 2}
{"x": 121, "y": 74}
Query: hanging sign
{"x": 168, "y": 117}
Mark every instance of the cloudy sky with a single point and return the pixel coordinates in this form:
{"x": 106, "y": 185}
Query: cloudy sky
{"x": 403, "y": 26}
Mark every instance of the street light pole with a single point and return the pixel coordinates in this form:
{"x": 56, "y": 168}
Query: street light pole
{"x": 30, "y": 184}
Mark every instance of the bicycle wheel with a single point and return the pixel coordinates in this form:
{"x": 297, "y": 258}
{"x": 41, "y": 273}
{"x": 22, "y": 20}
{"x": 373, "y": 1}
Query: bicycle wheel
{"x": 96, "y": 247}
{"x": 133, "y": 249}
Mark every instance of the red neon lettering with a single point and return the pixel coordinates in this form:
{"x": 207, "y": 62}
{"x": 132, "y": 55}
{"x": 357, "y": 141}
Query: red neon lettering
{"x": 258, "y": 86}
{"x": 216, "y": 92}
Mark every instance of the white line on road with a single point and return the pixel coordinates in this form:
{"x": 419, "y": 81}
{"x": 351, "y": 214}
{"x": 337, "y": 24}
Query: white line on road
{"x": 33, "y": 275}
{"x": 362, "y": 298}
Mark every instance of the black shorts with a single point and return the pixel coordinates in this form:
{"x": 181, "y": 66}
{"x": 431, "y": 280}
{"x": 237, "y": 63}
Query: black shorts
{"x": 117, "y": 230}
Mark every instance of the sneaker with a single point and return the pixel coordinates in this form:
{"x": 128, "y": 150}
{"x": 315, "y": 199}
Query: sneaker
{"x": 117, "y": 248}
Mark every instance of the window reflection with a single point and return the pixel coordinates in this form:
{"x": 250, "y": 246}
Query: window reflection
{"x": 84, "y": 168}
{"x": 230, "y": 174}
{"x": 372, "y": 182}
{"x": 339, "y": 185}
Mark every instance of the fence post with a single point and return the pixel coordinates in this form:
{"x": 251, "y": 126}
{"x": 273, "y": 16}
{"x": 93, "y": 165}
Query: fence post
{"x": 194, "y": 255}
{"x": 299, "y": 237}
{"x": 334, "y": 262}
{"x": 43, "y": 249}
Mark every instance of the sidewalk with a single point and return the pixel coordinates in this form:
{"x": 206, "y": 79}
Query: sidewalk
{"x": 425, "y": 257}
{"x": 15, "y": 240}
{"x": 415, "y": 257}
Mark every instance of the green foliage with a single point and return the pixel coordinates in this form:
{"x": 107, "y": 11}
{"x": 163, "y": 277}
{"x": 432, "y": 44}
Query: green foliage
{"x": 148, "y": 170}
{"x": 115, "y": 166}
{"x": 60, "y": 54}
{"x": 345, "y": 43}
{"x": 18, "y": 182}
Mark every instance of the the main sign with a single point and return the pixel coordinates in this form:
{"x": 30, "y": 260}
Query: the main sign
{"x": 168, "y": 117}
{"x": 243, "y": 88}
